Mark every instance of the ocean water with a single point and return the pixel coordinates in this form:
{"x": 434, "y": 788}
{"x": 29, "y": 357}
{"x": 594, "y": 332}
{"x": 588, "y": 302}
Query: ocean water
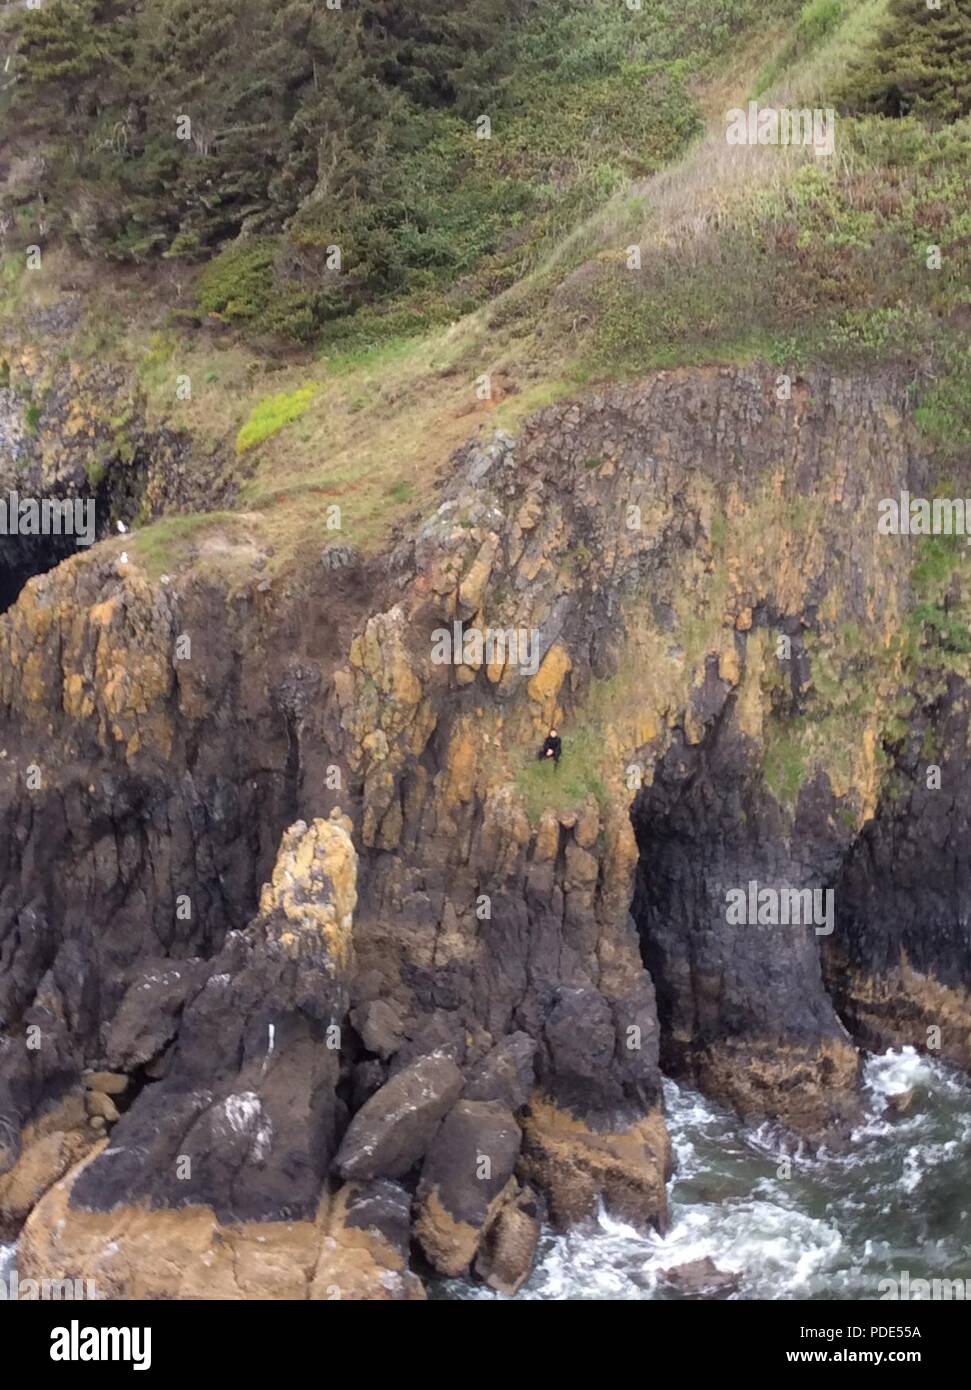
{"x": 898, "y": 1199}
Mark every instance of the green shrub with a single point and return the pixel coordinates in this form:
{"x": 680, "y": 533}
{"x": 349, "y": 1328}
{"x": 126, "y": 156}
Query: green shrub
{"x": 944, "y": 412}
{"x": 920, "y": 62}
{"x": 238, "y": 283}
{"x": 270, "y": 416}
{"x": 948, "y": 632}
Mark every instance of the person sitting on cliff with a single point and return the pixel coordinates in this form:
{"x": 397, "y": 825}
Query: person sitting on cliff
{"x": 552, "y": 747}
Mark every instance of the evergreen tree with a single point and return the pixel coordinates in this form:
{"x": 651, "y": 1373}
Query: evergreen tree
{"x": 441, "y": 53}
{"x": 71, "y": 55}
{"x": 921, "y": 63}
{"x": 220, "y": 84}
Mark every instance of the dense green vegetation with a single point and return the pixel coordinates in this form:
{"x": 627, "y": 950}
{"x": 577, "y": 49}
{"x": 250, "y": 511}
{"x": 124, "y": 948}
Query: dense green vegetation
{"x": 939, "y": 619}
{"x": 332, "y": 186}
{"x": 273, "y": 133}
{"x": 920, "y": 63}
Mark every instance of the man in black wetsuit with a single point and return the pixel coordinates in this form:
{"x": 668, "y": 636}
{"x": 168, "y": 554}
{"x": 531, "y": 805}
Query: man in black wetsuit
{"x": 552, "y": 747}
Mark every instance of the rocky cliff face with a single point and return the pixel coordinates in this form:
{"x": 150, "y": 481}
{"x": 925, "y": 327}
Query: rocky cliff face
{"x": 444, "y": 1016}
{"x": 79, "y": 434}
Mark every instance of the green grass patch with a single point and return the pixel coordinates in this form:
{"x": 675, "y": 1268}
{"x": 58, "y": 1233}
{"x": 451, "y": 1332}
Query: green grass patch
{"x": 817, "y": 20}
{"x": 939, "y": 558}
{"x": 785, "y": 762}
{"x": 938, "y": 628}
{"x": 272, "y": 414}
{"x": 163, "y": 546}
{"x": 944, "y": 413}
{"x": 546, "y": 787}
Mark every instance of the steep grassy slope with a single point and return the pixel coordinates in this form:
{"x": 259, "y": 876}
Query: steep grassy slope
{"x": 745, "y": 253}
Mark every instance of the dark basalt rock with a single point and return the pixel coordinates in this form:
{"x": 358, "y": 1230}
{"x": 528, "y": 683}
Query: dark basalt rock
{"x": 709, "y": 824}
{"x": 379, "y": 1026}
{"x": 471, "y": 1158}
{"x": 468, "y": 1165}
{"x": 506, "y": 1074}
{"x": 394, "y": 1128}
{"x": 148, "y": 1016}
{"x": 382, "y": 1206}
{"x": 164, "y": 778}
{"x": 904, "y": 897}
{"x": 245, "y": 1120}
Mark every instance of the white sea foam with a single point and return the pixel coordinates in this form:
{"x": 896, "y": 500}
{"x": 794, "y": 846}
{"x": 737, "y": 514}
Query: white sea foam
{"x": 831, "y": 1230}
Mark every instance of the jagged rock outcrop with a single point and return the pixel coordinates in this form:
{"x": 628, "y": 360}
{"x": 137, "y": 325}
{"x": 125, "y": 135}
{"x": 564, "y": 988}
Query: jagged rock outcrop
{"x": 148, "y": 768}
{"x": 684, "y": 575}
{"x": 246, "y": 1117}
{"x": 79, "y": 435}
{"x": 243, "y": 1125}
{"x": 898, "y": 964}
{"x": 746, "y": 1015}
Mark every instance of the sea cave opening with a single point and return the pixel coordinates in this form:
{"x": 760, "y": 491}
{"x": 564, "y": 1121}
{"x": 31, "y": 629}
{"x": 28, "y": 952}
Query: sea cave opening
{"x": 24, "y": 557}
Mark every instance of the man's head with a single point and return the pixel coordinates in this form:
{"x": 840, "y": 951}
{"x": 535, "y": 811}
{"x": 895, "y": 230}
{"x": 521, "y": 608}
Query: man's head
{"x": 552, "y": 733}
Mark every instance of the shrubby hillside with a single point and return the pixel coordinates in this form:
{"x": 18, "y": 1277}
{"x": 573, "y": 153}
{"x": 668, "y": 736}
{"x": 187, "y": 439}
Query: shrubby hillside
{"x": 305, "y": 128}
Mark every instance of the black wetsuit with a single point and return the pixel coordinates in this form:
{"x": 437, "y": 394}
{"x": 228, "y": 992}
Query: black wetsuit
{"x": 552, "y": 745}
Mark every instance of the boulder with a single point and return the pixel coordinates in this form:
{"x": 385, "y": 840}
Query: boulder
{"x": 49, "y": 1149}
{"x": 365, "y": 1252}
{"x": 112, "y": 1083}
{"x": 508, "y": 1246}
{"x": 701, "y": 1279}
{"x": 148, "y": 1016}
{"x": 439, "y": 1031}
{"x": 463, "y": 1181}
{"x": 379, "y": 1025}
{"x": 340, "y": 557}
{"x": 394, "y": 1129}
{"x": 899, "y": 1104}
{"x": 100, "y": 1104}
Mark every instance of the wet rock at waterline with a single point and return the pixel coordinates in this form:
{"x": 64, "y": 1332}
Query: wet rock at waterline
{"x": 465, "y": 1178}
{"x": 701, "y": 1279}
